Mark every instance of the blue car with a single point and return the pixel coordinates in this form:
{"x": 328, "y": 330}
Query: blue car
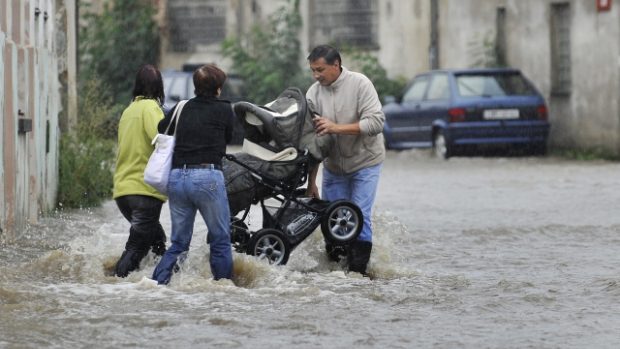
{"x": 468, "y": 109}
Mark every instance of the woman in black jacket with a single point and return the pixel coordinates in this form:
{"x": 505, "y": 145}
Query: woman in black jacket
{"x": 196, "y": 181}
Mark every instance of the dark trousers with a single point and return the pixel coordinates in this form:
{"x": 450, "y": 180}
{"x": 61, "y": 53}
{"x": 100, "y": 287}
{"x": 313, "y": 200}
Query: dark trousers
{"x": 143, "y": 213}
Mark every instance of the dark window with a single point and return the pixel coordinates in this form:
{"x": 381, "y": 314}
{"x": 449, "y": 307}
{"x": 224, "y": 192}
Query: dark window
{"x": 560, "y": 49}
{"x": 500, "y": 37}
{"x": 350, "y": 22}
{"x": 196, "y": 22}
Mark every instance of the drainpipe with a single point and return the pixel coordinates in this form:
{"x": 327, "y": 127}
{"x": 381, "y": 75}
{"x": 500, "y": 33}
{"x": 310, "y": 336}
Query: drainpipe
{"x": 433, "y": 50}
{"x": 71, "y": 28}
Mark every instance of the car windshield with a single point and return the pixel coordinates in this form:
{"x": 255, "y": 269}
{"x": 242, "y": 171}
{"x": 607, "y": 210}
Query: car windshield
{"x": 497, "y": 84}
{"x": 177, "y": 87}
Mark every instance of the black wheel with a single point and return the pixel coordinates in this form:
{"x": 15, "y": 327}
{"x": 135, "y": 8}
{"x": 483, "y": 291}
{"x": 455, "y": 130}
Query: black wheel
{"x": 342, "y": 222}
{"x": 239, "y": 234}
{"x": 271, "y": 244}
{"x": 441, "y": 149}
{"x": 538, "y": 149}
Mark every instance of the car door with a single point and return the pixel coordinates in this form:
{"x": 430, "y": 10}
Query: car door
{"x": 433, "y": 107}
{"x": 401, "y": 118}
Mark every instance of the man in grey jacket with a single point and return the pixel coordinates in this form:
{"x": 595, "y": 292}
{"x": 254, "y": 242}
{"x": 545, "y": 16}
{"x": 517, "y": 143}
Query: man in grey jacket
{"x": 348, "y": 111}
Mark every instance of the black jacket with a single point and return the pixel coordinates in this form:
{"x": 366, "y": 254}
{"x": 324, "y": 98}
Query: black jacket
{"x": 205, "y": 127}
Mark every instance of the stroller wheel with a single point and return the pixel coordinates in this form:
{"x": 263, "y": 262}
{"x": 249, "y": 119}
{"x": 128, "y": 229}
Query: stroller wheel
{"x": 239, "y": 234}
{"x": 342, "y": 222}
{"x": 270, "y": 244}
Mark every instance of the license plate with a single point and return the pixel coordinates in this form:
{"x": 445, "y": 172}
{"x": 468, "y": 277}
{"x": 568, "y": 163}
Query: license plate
{"x": 500, "y": 114}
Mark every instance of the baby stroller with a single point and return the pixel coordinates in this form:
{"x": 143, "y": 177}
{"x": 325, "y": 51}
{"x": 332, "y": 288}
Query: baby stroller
{"x": 279, "y": 148}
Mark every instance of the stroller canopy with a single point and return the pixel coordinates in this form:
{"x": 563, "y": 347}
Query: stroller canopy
{"x": 285, "y": 122}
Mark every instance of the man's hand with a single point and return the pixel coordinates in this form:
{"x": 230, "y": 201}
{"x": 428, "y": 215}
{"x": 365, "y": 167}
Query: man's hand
{"x": 313, "y": 191}
{"x": 323, "y": 125}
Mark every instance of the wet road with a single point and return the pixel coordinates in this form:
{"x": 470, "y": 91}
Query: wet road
{"x": 468, "y": 253}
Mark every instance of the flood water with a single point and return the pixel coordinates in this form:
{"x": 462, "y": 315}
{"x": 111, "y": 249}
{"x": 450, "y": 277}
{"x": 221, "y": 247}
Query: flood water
{"x": 468, "y": 253}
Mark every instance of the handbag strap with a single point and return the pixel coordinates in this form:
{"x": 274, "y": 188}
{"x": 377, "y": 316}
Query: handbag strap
{"x": 175, "y": 116}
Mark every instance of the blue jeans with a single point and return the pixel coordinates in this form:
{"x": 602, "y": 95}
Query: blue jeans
{"x": 191, "y": 190}
{"x": 359, "y": 187}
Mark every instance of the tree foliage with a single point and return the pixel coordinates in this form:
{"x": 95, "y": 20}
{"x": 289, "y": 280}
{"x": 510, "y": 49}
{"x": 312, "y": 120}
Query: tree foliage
{"x": 483, "y": 52}
{"x": 369, "y": 65}
{"x": 87, "y": 154}
{"x": 268, "y": 59}
{"x": 115, "y": 43}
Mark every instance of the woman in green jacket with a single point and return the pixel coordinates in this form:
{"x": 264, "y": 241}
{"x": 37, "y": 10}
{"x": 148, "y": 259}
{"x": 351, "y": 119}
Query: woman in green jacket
{"x": 139, "y": 203}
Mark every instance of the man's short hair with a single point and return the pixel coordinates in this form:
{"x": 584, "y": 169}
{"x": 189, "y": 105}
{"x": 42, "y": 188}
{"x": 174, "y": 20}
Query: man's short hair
{"x": 330, "y": 54}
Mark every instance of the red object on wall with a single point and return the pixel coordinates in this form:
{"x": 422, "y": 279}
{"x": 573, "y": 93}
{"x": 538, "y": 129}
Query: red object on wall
{"x": 603, "y": 5}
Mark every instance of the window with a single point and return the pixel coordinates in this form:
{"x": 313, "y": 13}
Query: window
{"x": 416, "y": 92}
{"x": 500, "y": 37}
{"x": 350, "y": 22}
{"x": 488, "y": 85}
{"x": 560, "y": 49}
{"x": 196, "y": 22}
{"x": 439, "y": 88}
{"x": 178, "y": 87}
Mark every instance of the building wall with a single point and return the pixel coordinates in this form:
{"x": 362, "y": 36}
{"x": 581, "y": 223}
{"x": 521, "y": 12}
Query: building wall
{"x": 588, "y": 117}
{"x": 31, "y": 97}
{"x": 240, "y": 17}
{"x": 591, "y": 117}
{"x": 404, "y": 37}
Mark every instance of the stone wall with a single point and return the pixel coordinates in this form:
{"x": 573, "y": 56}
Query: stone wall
{"x": 37, "y": 46}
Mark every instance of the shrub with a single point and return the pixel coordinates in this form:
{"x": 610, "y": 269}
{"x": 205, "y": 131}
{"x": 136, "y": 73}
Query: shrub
{"x": 115, "y": 43}
{"x": 85, "y": 171}
{"x": 369, "y": 65}
{"x": 268, "y": 60}
{"x": 87, "y": 153}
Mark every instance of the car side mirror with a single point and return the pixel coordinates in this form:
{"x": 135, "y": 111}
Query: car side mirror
{"x": 389, "y": 99}
{"x": 175, "y": 98}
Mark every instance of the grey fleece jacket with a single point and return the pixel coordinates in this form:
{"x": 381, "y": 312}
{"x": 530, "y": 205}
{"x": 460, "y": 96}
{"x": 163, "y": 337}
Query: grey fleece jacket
{"x": 349, "y": 99}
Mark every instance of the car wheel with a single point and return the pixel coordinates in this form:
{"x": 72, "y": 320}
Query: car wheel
{"x": 539, "y": 149}
{"x": 441, "y": 149}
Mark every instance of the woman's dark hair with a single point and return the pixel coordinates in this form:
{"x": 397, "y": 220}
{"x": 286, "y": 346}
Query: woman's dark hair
{"x": 149, "y": 83}
{"x": 208, "y": 79}
{"x": 330, "y": 54}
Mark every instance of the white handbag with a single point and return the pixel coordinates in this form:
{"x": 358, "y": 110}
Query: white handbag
{"x": 158, "y": 168}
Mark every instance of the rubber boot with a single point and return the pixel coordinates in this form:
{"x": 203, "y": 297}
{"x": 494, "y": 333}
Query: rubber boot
{"x": 335, "y": 252}
{"x": 359, "y": 255}
{"x": 158, "y": 245}
{"x": 135, "y": 250}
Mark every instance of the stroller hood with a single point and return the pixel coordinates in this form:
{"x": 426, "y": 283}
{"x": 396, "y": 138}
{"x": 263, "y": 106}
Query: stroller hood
{"x": 283, "y": 123}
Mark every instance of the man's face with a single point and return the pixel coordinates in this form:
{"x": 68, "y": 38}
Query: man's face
{"x": 325, "y": 73}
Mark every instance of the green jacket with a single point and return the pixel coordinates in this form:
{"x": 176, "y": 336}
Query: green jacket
{"x": 136, "y": 130}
